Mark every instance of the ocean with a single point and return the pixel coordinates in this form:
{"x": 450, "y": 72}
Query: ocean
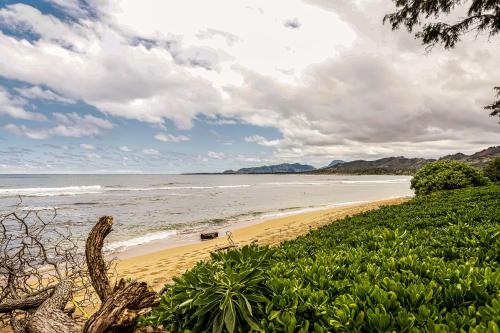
{"x": 176, "y": 208}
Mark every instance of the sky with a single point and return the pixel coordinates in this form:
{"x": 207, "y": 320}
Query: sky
{"x": 160, "y": 86}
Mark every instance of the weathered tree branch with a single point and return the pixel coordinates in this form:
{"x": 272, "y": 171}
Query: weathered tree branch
{"x": 117, "y": 301}
{"x": 95, "y": 261}
{"x": 49, "y": 317}
{"x": 30, "y": 302}
{"x": 43, "y": 306}
{"x": 132, "y": 295}
{"x": 17, "y": 325}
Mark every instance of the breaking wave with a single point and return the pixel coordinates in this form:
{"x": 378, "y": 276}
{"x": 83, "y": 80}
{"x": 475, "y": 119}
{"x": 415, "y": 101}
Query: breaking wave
{"x": 50, "y": 191}
{"x": 124, "y": 244}
{"x": 93, "y": 189}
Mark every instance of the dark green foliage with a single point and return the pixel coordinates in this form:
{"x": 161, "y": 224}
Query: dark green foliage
{"x": 481, "y": 16}
{"x": 430, "y": 265}
{"x": 446, "y": 175}
{"x": 219, "y": 295}
{"x": 492, "y": 170}
{"x": 495, "y": 106}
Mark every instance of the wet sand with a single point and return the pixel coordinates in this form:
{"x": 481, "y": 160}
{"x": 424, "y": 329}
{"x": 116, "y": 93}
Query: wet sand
{"x": 158, "y": 268}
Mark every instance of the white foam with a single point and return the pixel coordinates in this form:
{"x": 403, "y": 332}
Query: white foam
{"x": 168, "y": 188}
{"x": 332, "y": 182}
{"x": 50, "y": 191}
{"x": 310, "y": 209}
{"x": 302, "y": 183}
{"x": 387, "y": 181}
{"x": 37, "y": 208}
{"x": 94, "y": 189}
{"x": 124, "y": 244}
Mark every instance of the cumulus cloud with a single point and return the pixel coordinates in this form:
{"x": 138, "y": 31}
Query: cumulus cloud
{"x": 151, "y": 151}
{"x": 216, "y": 155}
{"x": 383, "y": 96}
{"x": 228, "y": 37}
{"x": 260, "y": 140}
{"x": 292, "y": 23}
{"x": 22, "y": 130}
{"x": 65, "y": 125}
{"x": 336, "y": 83}
{"x": 87, "y": 146}
{"x": 92, "y": 156}
{"x": 15, "y": 107}
{"x": 73, "y": 7}
{"x": 36, "y": 92}
{"x": 125, "y": 149}
{"x": 171, "y": 138}
{"x": 114, "y": 74}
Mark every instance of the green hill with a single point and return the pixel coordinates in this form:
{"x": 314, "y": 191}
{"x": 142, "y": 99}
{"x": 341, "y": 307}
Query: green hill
{"x": 401, "y": 165}
{"x": 278, "y": 168}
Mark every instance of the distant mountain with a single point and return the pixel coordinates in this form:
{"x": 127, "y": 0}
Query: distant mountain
{"x": 390, "y": 165}
{"x": 405, "y": 166}
{"x": 334, "y": 163}
{"x": 279, "y": 168}
{"x": 399, "y": 165}
{"x": 479, "y": 159}
{"x": 454, "y": 157}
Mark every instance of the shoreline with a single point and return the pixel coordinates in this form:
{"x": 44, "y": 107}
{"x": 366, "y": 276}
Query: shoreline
{"x": 157, "y": 267}
{"x": 231, "y": 224}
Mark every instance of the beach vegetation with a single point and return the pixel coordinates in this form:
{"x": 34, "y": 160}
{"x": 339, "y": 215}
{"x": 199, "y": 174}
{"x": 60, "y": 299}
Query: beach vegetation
{"x": 431, "y": 264}
{"x": 446, "y": 175}
{"x": 492, "y": 170}
{"x": 219, "y": 294}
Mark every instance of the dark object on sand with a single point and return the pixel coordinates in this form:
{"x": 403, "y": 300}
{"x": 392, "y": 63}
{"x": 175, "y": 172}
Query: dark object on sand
{"x": 209, "y": 235}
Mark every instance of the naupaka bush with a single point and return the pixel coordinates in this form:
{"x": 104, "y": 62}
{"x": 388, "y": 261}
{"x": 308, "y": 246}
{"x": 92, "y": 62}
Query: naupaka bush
{"x": 446, "y": 175}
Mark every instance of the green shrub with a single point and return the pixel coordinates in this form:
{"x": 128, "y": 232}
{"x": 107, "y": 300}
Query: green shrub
{"x": 492, "y": 170}
{"x": 218, "y": 295}
{"x": 429, "y": 265}
{"x": 446, "y": 175}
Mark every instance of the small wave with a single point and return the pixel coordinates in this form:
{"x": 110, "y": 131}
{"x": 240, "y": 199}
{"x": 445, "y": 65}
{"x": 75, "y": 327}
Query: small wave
{"x": 332, "y": 182}
{"x": 302, "y": 183}
{"x": 94, "y": 189}
{"x": 50, "y": 191}
{"x": 167, "y": 188}
{"x": 232, "y": 186}
{"x": 37, "y": 209}
{"x": 295, "y": 211}
{"x": 387, "y": 181}
{"x": 124, "y": 244}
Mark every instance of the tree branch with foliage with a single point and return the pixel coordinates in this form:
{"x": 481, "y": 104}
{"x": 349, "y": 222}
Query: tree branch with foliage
{"x": 482, "y": 16}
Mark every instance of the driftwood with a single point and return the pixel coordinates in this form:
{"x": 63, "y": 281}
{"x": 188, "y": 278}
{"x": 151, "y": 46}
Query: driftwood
{"x": 45, "y": 309}
{"x": 209, "y": 235}
{"x": 230, "y": 243}
{"x": 95, "y": 261}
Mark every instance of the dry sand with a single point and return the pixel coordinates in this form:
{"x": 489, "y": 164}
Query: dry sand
{"x": 158, "y": 268}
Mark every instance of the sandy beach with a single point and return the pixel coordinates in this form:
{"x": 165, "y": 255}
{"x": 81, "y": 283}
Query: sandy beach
{"x": 158, "y": 268}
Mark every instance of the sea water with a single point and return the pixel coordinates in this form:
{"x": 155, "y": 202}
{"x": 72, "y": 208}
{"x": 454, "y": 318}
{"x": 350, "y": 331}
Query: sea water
{"x": 152, "y": 208}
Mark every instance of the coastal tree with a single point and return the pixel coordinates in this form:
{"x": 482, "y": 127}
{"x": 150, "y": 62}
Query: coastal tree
{"x": 42, "y": 270}
{"x": 441, "y": 22}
